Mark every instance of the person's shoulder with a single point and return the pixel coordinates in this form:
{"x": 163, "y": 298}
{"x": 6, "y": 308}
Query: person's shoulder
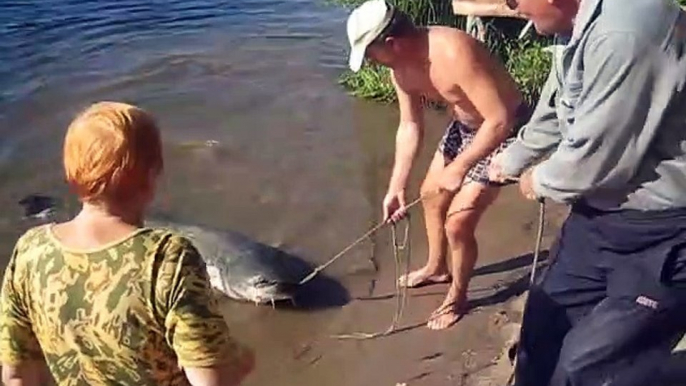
{"x": 451, "y": 37}
{"x": 644, "y": 20}
{"x": 454, "y": 45}
{"x": 32, "y": 245}
{"x": 166, "y": 236}
{"x": 170, "y": 243}
{"x": 36, "y": 236}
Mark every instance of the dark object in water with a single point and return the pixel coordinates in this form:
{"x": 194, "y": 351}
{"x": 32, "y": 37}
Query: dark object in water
{"x": 241, "y": 268}
{"x": 37, "y": 206}
{"x": 247, "y": 270}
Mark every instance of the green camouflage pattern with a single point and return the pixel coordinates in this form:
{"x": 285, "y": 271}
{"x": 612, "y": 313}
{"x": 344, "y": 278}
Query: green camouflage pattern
{"x": 131, "y": 313}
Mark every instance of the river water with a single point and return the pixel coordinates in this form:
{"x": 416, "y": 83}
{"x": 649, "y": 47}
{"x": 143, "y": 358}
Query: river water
{"x": 258, "y": 138}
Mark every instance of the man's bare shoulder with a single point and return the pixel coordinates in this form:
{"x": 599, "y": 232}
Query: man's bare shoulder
{"x": 453, "y": 42}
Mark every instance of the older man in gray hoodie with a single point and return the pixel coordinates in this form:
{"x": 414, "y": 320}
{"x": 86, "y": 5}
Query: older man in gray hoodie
{"x": 608, "y": 137}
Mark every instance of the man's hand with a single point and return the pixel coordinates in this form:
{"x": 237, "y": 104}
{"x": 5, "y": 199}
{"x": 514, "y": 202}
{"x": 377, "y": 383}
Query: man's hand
{"x": 495, "y": 169}
{"x": 394, "y": 207}
{"x": 526, "y": 185}
{"x": 452, "y": 178}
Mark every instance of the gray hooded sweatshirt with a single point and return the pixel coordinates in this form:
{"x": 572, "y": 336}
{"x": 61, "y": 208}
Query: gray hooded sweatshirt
{"x": 610, "y": 126}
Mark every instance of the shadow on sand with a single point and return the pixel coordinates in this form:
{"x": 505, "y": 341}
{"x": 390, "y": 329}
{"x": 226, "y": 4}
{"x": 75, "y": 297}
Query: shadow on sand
{"x": 505, "y": 290}
{"x": 320, "y": 293}
{"x": 510, "y": 265}
{"x": 499, "y": 292}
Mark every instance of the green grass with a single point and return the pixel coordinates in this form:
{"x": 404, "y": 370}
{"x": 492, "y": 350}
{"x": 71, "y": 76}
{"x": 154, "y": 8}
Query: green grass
{"x": 525, "y": 59}
{"x": 371, "y": 82}
{"x": 529, "y": 65}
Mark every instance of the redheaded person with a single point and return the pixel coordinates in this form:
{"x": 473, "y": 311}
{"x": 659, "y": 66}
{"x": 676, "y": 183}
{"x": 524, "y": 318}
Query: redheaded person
{"x": 101, "y": 299}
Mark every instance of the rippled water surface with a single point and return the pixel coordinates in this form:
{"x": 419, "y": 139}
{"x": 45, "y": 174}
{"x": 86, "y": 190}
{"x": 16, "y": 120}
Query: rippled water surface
{"x": 255, "y": 77}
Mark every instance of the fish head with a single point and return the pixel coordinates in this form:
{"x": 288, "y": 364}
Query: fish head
{"x": 242, "y": 268}
{"x": 255, "y": 289}
{"x": 261, "y": 290}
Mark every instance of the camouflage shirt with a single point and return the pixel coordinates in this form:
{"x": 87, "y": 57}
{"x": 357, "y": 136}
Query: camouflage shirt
{"x": 130, "y": 313}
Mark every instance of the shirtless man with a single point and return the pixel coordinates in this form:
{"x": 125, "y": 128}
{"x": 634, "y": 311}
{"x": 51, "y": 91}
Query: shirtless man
{"x": 447, "y": 65}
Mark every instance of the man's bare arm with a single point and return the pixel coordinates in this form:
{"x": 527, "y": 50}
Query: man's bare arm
{"x": 409, "y": 136}
{"x": 481, "y": 89}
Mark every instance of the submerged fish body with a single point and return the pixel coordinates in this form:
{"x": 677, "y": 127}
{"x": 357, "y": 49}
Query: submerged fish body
{"x": 242, "y": 268}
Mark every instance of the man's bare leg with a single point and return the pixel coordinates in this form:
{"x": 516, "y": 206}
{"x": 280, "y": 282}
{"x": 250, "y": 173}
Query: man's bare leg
{"x": 459, "y": 229}
{"x": 435, "y": 207}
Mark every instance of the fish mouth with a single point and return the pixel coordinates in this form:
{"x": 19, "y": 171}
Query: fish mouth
{"x": 269, "y": 292}
{"x": 257, "y": 289}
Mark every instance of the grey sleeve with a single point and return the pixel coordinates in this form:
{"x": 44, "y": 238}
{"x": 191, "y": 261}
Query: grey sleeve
{"x": 606, "y": 141}
{"x": 539, "y": 136}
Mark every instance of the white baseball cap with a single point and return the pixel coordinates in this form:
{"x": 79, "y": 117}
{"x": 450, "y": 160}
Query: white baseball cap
{"x": 365, "y": 23}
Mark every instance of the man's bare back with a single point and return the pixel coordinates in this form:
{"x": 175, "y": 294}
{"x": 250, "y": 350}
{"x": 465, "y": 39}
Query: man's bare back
{"x": 452, "y": 52}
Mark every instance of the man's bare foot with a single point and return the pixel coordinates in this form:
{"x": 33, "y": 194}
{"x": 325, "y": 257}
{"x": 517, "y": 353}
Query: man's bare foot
{"x": 422, "y": 277}
{"x": 449, "y": 313}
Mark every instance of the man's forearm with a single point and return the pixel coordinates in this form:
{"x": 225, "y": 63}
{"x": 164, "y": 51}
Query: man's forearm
{"x": 407, "y": 143}
{"x": 488, "y": 137}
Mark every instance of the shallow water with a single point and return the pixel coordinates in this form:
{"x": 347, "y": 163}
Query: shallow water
{"x": 258, "y": 138}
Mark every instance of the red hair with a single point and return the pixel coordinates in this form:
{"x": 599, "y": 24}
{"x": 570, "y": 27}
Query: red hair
{"x": 111, "y": 151}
